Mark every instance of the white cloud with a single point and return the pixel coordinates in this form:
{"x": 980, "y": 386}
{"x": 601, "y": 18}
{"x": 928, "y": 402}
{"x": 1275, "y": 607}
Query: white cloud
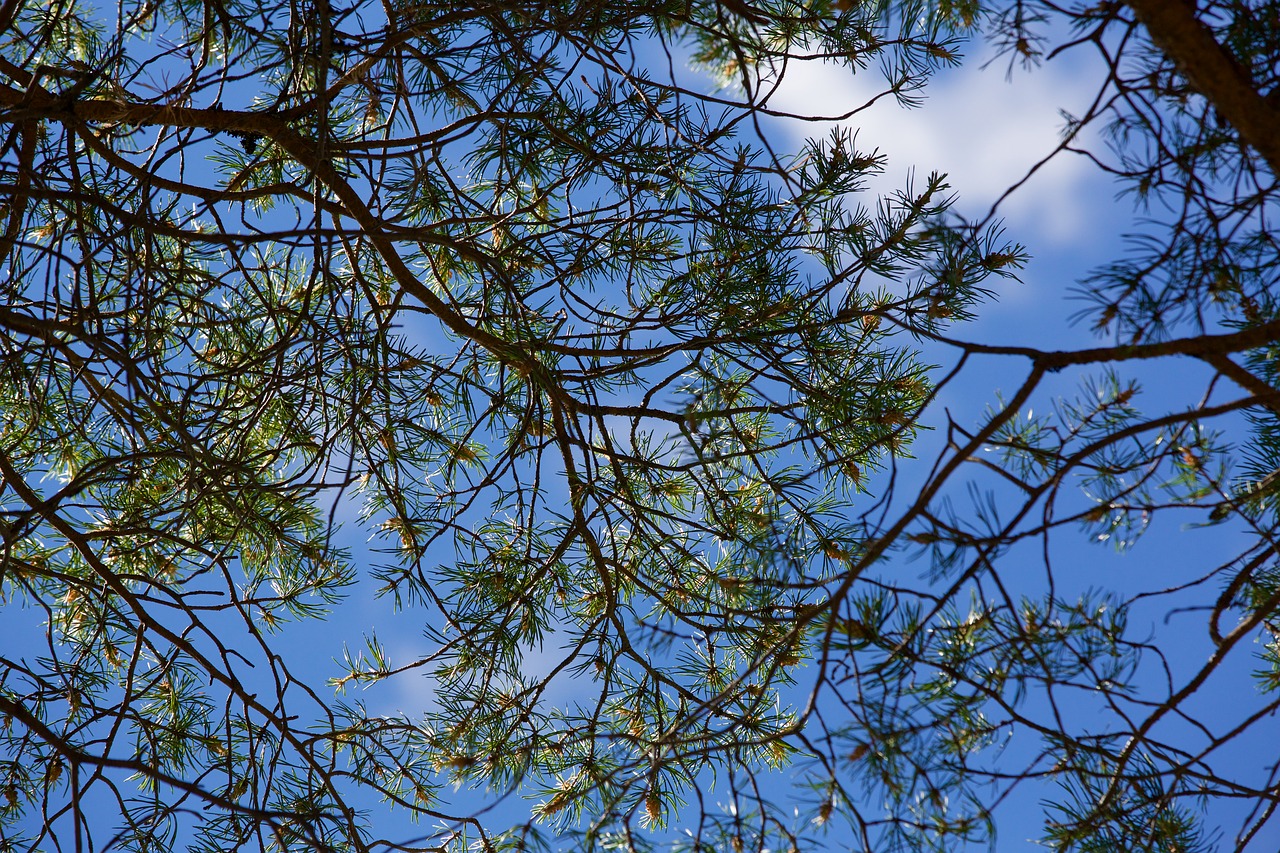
{"x": 984, "y": 130}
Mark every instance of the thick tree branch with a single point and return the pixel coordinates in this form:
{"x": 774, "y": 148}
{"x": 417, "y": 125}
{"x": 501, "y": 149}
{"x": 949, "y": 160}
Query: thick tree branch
{"x": 1243, "y": 378}
{"x": 1177, "y": 30}
{"x": 1195, "y": 346}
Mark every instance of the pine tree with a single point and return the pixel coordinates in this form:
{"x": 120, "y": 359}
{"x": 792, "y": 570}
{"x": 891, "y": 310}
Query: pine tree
{"x": 617, "y": 385}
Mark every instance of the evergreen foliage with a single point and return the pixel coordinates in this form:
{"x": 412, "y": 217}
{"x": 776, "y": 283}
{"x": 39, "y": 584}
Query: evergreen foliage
{"x": 621, "y": 393}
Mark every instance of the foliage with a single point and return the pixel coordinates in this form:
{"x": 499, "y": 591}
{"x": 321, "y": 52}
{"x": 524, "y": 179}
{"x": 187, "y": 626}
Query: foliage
{"x": 620, "y": 390}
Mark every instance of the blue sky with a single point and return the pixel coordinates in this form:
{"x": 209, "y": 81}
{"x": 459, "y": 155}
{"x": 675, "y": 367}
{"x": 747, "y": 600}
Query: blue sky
{"x": 987, "y": 130}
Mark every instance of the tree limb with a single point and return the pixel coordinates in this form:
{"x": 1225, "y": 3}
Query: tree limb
{"x": 1177, "y": 30}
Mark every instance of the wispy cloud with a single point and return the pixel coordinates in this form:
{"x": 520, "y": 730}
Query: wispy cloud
{"x": 986, "y": 131}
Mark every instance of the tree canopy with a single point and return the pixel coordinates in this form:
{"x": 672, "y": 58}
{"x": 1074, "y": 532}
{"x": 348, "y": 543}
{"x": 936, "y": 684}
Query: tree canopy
{"x": 527, "y": 321}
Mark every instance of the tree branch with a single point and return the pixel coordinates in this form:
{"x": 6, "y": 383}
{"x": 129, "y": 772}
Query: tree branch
{"x": 1177, "y": 30}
